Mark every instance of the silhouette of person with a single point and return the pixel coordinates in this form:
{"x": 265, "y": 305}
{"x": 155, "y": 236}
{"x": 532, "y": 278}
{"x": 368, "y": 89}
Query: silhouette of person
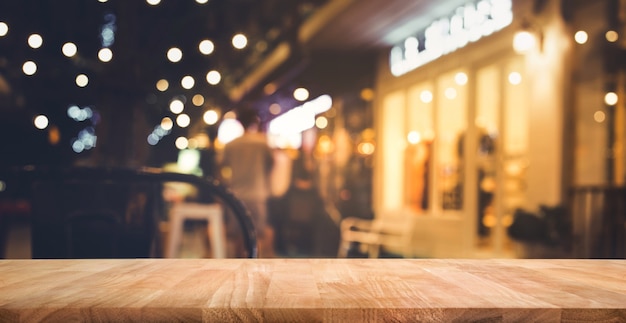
{"x": 249, "y": 160}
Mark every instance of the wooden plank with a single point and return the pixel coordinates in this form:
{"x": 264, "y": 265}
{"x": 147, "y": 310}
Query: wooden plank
{"x": 312, "y": 290}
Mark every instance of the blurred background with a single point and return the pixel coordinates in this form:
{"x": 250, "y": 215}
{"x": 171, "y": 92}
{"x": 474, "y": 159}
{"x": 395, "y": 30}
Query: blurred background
{"x": 456, "y": 128}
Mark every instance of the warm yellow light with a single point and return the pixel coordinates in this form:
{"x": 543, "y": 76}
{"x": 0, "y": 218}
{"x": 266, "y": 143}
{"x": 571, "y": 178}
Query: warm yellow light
{"x": 275, "y": 108}
{"x": 183, "y": 120}
{"x": 82, "y": 80}
{"x": 610, "y": 98}
{"x": 240, "y": 41}
{"x": 524, "y": 41}
{"x": 210, "y": 117}
{"x": 301, "y": 94}
{"x": 182, "y": 143}
{"x": 105, "y": 55}
{"x": 177, "y": 106}
{"x": 206, "y": 47}
{"x": 162, "y": 85}
{"x": 187, "y": 82}
{"x": 515, "y": 78}
{"x": 414, "y": 137}
{"x": 167, "y": 123}
{"x": 426, "y": 96}
{"x": 213, "y": 77}
{"x": 581, "y": 37}
{"x": 366, "y": 148}
{"x": 174, "y": 54}
{"x": 325, "y": 144}
{"x": 197, "y": 100}
{"x": 611, "y": 36}
{"x": 153, "y": 2}
{"x": 367, "y": 94}
{"x": 450, "y": 93}
{"x": 321, "y": 122}
{"x": 460, "y": 78}
{"x": 599, "y": 116}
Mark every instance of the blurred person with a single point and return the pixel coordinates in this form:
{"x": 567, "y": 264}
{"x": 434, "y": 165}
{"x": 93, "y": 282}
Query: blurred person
{"x": 249, "y": 162}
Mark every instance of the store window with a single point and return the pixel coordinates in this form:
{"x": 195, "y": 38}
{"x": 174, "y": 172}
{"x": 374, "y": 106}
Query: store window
{"x": 451, "y": 121}
{"x": 418, "y": 152}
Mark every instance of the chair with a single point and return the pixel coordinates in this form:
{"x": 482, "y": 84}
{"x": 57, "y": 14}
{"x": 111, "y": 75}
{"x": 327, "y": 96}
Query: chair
{"x": 83, "y": 212}
{"x": 391, "y": 232}
{"x": 212, "y": 212}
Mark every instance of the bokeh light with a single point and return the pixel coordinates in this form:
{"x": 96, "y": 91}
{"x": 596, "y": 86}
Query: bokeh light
{"x": 206, "y": 47}
{"x": 162, "y": 85}
{"x": 29, "y": 68}
{"x": 187, "y": 82}
{"x": 301, "y": 94}
{"x": 82, "y": 80}
{"x": 213, "y": 77}
{"x": 35, "y": 41}
{"x": 610, "y": 98}
{"x": 69, "y": 49}
{"x": 105, "y": 55}
{"x": 4, "y": 29}
{"x": 183, "y": 120}
{"x": 174, "y": 55}
{"x": 581, "y": 37}
{"x": 177, "y": 106}
{"x": 210, "y": 117}
{"x": 240, "y": 41}
{"x": 40, "y": 121}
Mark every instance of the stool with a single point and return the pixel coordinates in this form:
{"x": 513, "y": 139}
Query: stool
{"x": 215, "y": 226}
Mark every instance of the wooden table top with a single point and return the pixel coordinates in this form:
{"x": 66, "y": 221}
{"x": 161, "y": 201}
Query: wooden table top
{"x": 312, "y": 290}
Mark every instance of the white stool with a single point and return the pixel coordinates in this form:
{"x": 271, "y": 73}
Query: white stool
{"x": 215, "y": 226}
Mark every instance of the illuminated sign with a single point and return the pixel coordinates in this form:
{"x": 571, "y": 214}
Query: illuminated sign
{"x": 466, "y": 24}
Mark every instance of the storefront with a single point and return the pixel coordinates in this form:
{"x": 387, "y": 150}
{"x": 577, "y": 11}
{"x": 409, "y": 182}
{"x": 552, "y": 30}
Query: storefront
{"x": 470, "y": 129}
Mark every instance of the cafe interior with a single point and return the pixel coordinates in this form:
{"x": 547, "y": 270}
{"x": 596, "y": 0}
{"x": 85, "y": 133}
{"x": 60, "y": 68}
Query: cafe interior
{"x": 429, "y": 129}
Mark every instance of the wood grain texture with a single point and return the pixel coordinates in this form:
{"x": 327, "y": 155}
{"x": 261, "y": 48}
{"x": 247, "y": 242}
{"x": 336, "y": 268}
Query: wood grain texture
{"x": 312, "y": 290}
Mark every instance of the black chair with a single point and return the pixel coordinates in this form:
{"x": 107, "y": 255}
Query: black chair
{"x": 82, "y": 212}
